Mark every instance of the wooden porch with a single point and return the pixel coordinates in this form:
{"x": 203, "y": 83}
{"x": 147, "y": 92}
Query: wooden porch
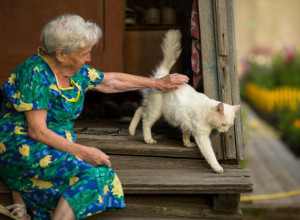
{"x": 161, "y": 181}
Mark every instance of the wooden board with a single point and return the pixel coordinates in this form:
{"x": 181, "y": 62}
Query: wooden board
{"x": 209, "y": 61}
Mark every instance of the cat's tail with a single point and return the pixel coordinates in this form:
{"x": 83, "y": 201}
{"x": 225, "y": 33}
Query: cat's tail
{"x": 135, "y": 120}
{"x": 171, "y": 48}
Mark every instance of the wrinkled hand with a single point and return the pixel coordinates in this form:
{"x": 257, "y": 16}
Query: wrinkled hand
{"x": 171, "y": 81}
{"x": 95, "y": 157}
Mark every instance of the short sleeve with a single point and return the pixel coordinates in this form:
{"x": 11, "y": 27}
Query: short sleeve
{"x": 91, "y": 77}
{"x": 27, "y": 88}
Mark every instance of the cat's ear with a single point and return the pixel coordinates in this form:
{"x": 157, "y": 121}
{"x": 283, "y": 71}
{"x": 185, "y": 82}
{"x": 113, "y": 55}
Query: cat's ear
{"x": 220, "y": 108}
{"x": 236, "y": 108}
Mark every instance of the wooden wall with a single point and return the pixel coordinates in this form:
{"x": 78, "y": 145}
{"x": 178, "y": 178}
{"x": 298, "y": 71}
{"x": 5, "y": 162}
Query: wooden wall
{"x": 21, "y": 22}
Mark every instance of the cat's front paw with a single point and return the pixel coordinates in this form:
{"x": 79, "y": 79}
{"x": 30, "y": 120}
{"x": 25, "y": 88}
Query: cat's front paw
{"x": 218, "y": 169}
{"x": 189, "y": 144}
{"x": 150, "y": 141}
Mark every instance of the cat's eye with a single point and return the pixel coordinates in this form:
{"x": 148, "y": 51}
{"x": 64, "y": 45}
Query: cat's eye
{"x": 223, "y": 124}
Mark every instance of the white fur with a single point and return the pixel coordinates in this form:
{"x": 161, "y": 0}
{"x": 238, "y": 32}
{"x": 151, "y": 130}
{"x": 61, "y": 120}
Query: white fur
{"x": 193, "y": 112}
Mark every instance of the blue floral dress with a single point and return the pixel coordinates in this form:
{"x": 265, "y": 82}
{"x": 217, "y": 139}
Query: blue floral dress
{"x": 41, "y": 173}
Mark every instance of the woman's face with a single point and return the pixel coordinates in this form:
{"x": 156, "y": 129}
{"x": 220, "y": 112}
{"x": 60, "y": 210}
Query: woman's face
{"x": 73, "y": 62}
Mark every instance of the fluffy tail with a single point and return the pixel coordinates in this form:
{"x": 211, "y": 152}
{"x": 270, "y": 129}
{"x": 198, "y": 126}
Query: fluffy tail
{"x": 171, "y": 48}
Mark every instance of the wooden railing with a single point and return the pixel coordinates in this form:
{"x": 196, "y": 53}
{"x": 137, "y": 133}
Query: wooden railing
{"x": 273, "y": 99}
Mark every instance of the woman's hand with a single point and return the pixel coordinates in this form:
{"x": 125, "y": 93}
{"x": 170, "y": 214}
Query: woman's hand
{"x": 170, "y": 81}
{"x": 95, "y": 157}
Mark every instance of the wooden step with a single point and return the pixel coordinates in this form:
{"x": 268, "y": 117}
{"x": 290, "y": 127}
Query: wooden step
{"x": 153, "y": 175}
{"x": 116, "y": 140}
{"x": 150, "y": 175}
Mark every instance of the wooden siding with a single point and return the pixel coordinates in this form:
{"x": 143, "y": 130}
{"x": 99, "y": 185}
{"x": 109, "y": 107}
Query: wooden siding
{"x": 21, "y": 23}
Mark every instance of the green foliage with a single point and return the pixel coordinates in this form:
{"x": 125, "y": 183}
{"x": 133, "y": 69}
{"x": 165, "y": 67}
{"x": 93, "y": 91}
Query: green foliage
{"x": 272, "y": 69}
{"x": 289, "y": 126}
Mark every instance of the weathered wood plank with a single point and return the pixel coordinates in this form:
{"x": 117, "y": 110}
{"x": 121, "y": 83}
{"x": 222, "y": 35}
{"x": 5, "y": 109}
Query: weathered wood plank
{"x": 164, "y": 147}
{"x": 159, "y": 207}
{"x": 235, "y": 88}
{"x": 209, "y": 61}
{"x": 144, "y": 162}
{"x": 226, "y": 202}
{"x": 220, "y": 16}
{"x": 171, "y": 207}
{"x": 181, "y": 181}
{"x": 221, "y": 27}
{"x": 118, "y": 141}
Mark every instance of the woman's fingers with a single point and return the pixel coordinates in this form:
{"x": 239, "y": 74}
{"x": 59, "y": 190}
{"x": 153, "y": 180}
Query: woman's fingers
{"x": 171, "y": 81}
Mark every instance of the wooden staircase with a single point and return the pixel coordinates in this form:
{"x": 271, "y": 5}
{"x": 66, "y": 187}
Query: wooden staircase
{"x": 162, "y": 181}
{"x": 167, "y": 180}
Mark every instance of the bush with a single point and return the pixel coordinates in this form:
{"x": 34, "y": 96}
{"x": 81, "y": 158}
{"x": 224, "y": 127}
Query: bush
{"x": 271, "y": 69}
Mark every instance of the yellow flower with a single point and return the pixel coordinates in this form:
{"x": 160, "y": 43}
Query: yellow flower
{"x": 117, "y": 190}
{"x": 100, "y": 199}
{"x": 45, "y": 161}
{"x": 24, "y": 150}
{"x": 23, "y": 106}
{"x": 93, "y": 74}
{"x": 69, "y": 136}
{"x": 42, "y": 184}
{"x": 2, "y": 148}
{"x": 73, "y": 180}
{"x": 105, "y": 189}
{"x": 11, "y": 79}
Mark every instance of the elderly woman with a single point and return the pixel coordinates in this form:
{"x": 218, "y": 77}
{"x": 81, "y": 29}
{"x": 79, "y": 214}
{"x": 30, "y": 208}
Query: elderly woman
{"x": 39, "y": 160}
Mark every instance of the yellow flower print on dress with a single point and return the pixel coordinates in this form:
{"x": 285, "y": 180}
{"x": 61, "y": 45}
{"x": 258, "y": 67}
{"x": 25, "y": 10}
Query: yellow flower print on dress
{"x": 23, "y": 106}
{"x": 6, "y": 115}
{"x": 105, "y": 189}
{"x": 93, "y": 74}
{"x": 100, "y": 199}
{"x": 54, "y": 87}
{"x": 16, "y": 95}
{"x": 117, "y": 190}
{"x": 45, "y": 161}
{"x": 69, "y": 136}
{"x": 24, "y": 150}
{"x": 41, "y": 184}
{"x": 2, "y": 148}
{"x": 73, "y": 180}
{"x": 89, "y": 87}
{"x": 78, "y": 158}
{"x": 11, "y": 79}
{"x": 18, "y": 129}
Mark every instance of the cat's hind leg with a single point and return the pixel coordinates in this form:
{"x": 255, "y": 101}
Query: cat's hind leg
{"x": 149, "y": 118}
{"x": 186, "y": 139}
{"x": 135, "y": 120}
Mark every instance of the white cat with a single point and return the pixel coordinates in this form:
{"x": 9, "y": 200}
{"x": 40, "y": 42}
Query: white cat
{"x": 193, "y": 112}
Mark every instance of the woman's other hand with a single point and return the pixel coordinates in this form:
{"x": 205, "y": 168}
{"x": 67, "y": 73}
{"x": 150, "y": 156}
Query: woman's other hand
{"x": 95, "y": 157}
{"x": 170, "y": 81}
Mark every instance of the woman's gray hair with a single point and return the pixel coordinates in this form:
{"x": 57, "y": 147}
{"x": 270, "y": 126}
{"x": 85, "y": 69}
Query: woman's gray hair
{"x": 69, "y": 32}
